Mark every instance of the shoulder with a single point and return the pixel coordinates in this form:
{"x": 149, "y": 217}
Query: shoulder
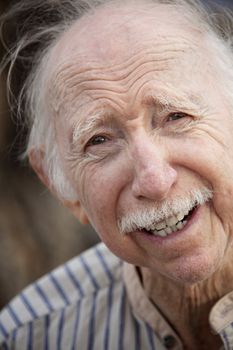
{"x": 83, "y": 277}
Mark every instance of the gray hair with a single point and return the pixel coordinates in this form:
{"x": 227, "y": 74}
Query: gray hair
{"x": 39, "y": 26}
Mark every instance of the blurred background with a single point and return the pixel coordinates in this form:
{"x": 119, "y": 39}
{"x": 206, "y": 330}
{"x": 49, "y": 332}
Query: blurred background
{"x": 36, "y": 232}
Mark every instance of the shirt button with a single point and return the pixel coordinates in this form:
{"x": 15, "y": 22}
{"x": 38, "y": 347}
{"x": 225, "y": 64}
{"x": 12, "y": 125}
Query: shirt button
{"x": 169, "y": 341}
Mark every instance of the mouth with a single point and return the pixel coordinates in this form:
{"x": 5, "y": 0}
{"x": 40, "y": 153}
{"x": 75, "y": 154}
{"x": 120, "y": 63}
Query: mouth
{"x": 170, "y": 218}
{"x": 170, "y": 225}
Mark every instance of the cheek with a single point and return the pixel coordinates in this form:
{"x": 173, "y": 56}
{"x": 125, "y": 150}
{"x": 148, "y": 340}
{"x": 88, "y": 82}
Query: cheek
{"x": 223, "y": 208}
{"x": 209, "y": 160}
{"x": 212, "y": 163}
{"x": 100, "y": 188}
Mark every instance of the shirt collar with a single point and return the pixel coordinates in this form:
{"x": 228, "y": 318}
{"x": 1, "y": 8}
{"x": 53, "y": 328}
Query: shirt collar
{"x": 221, "y": 315}
{"x": 221, "y": 319}
{"x": 144, "y": 309}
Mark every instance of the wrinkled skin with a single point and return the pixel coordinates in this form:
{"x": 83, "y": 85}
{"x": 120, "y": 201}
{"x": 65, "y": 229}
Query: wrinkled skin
{"x": 141, "y": 118}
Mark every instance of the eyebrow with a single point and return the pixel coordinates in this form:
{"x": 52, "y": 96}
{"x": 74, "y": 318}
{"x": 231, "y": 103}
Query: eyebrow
{"x": 105, "y": 116}
{"x": 90, "y": 123}
{"x": 186, "y": 101}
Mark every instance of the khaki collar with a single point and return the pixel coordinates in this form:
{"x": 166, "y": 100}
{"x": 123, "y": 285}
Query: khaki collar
{"x": 221, "y": 315}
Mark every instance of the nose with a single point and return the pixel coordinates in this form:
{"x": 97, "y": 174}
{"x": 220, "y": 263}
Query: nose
{"x": 153, "y": 175}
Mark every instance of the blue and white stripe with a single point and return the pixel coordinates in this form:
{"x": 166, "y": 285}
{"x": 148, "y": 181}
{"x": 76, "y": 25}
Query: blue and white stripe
{"x": 80, "y": 305}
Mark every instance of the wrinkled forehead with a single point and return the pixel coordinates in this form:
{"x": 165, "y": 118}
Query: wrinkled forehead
{"x": 114, "y": 33}
{"x": 99, "y": 46}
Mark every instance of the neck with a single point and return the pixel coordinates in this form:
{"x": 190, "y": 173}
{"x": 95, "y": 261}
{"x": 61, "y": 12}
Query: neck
{"x": 187, "y": 307}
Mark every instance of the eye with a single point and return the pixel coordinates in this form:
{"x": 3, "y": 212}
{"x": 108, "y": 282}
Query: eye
{"x": 97, "y": 140}
{"x": 176, "y": 116}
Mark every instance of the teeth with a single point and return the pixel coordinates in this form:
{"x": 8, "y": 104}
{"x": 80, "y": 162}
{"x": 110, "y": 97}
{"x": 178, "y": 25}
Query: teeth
{"x": 168, "y": 230}
{"x": 180, "y": 225}
{"x": 161, "y": 225}
{"x": 180, "y": 216}
{"x": 168, "y": 226}
{"x": 162, "y": 233}
{"x": 171, "y": 221}
{"x": 174, "y": 228}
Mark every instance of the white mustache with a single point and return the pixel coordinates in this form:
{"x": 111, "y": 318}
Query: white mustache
{"x": 144, "y": 218}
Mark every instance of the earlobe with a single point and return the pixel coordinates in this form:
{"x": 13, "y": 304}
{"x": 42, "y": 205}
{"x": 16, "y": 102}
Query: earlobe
{"x": 83, "y": 218}
{"x": 78, "y": 211}
{"x": 36, "y": 159}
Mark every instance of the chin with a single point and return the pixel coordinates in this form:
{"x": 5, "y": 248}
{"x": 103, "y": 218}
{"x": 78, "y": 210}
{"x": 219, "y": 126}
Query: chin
{"x": 192, "y": 270}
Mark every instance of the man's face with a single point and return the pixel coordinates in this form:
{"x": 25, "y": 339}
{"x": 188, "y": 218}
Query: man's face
{"x": 141, "y": 123}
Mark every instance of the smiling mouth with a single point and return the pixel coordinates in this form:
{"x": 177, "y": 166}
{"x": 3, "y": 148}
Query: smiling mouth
{"x": 166, "y": 218}
{"x": 172, "y": 224}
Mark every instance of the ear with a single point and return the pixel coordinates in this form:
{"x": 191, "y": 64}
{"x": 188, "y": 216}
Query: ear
{"x": 36, "y": 159}
{"x": 77, "y": 210}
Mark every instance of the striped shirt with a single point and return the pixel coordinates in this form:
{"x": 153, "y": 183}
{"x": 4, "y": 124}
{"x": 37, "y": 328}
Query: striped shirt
{"x": 87, "y": 304}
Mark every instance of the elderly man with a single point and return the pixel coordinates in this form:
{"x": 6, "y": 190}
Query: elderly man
{"x": 130, "y": 107}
